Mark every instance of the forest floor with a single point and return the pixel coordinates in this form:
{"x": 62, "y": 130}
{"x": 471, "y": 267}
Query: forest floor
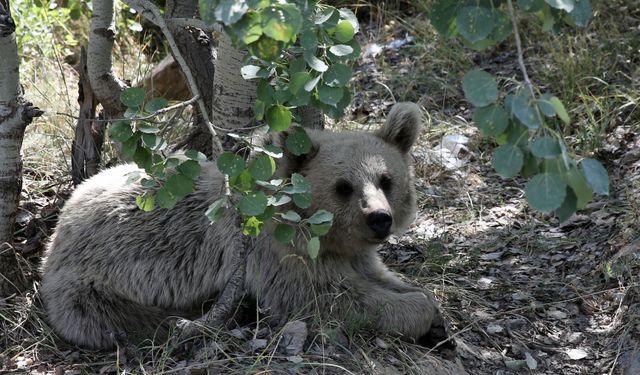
{"x": 523, "y": 293}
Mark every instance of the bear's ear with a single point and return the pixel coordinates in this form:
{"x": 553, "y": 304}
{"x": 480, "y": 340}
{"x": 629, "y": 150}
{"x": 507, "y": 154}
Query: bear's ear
{"x": 291, "y": 162}
{"x": 403, "y": 126}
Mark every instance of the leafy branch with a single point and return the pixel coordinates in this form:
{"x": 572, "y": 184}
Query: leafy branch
{"x": 524, "y": 122}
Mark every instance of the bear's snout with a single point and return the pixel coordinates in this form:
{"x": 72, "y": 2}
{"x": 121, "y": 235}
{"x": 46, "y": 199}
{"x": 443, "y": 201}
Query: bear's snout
{"x": 380, "y": 222}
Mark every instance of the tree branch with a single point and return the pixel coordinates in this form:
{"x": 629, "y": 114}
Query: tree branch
{"x": 523, "y": 68}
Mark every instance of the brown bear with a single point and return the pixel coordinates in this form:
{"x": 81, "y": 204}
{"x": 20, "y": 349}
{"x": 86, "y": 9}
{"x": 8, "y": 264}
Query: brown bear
{"x": 112, "y": 268}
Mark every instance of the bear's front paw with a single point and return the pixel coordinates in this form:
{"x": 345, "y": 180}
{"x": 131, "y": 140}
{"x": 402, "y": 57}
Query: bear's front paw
{"x": 438, "y": 335}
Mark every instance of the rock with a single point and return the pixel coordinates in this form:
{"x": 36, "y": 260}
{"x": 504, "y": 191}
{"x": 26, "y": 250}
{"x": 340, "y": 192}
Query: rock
{"x": 257, "y": 344}
{"x": 294, "y": 335}
{"x": 576, "y": 354}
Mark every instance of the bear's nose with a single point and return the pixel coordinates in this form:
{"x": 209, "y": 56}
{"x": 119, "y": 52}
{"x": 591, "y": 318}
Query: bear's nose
{"x": 380, "y": 222}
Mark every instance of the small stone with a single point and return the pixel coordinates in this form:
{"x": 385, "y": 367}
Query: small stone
{"x": 381, "y": 343}
{"x": 295, "y": 359}
{"x": 575, "y": 338}
{"x": 576, "y": 354}
{"x": 237, "y": 333}
{"x": 494, "y": 328}
{"x": 557, "y": 314}
{"x": 257, "y": 344}
{"x": 294, "y": 335}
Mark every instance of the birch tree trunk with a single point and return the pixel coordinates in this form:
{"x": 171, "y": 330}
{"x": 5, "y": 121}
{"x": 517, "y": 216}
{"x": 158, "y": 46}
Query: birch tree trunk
{"x": 104, "y": 82}
{"x": 15, "y": 114}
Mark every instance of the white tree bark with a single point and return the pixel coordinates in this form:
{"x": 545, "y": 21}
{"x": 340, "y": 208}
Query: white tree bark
{"x": 106, "y": 85}
{"x": 233, "y": 96}
{"x": 15, "y": 114}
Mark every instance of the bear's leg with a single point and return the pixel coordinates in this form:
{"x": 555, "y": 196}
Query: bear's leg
{"x": 96, "y": 319}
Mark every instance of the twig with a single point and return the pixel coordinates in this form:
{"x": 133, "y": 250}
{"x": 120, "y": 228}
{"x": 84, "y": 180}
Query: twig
{"x": 195, "y": 23}
{"x": 523, "y": 68}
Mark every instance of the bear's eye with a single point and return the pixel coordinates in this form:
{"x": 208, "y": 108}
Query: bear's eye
{"x": 344, "y": 189}
{"x": 385, "y": 183}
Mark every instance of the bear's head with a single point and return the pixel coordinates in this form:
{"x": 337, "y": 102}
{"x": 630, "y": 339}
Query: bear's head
{"x": 364, "y": 179}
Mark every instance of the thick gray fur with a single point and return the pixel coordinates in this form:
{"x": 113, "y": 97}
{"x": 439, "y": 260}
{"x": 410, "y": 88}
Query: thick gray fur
{"x": 112, "y": 268}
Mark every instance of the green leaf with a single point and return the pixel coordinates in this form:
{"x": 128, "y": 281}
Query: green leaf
{"x": 215, "y": 210}
{"x": 249, "y": 72}
{"x": 189, "y": 168}
{"x": 308, "y": 40}
{"x": 252, "y": 226}
{"x": 337, "y": 75}
{"x": 320, "y": 217}
{"x": 262, "y": 168}
{"x": 580, "y": 187}
{"x": 242, "y": 182}
{"x": 154, "y": 142}
{"x": 568, "y": 207}
{"x": 120, "y": 131}
{"x": 298, "y": 80}
{"x": 291, "y": 216}
{"x": 230, "y": 11}
{"x": 596, "y": 175}
{"x": 320, "y": 229}
{"x": 253, "y": 204}
{"x": 566, "y": 5}
{"x": 284, "y": 233}
{"x": 316, "y": 64}
{"x": 132, "y": 97}
{"x": 299, "y": 181}
{"x": 145, "y": 202}
{"x": 279, "y": 117}
{"x": 230, "y": 164}
{"x": 475, "y": 23}
{"x": 480, "y": 88}
{"x": 531, "y": 5}
{"x": 330, "y": 95}
{"x": 273, "y": 151}
{"x": 545, "y": 106}
{"x": 129, "y": 148}
{"x": 443, "y": 16}
{"x": 279, "y": 199}
{"x": 507, "y": 160}
{"x": 545, "y": 147}
{"x": 155, "y": 104}
{"x": 560, "y": 110}
{"x": 525, "y": 109}
{"x": 142, "y": 157}
{"x": 165, "y": 199}
{"x": 195, "y": 155}
{"x": 581, "y": 13}
{"x": 313, "y": 247}
{"x": 341, "y": 50}
{"x": 302, "y": 200}
{"x": 265, "y": 92}
{"x": 298, "y": 141}
{"x": 344, "y": 31}
{"x": 249, "y": 28}
{"x": 491, "y": 120}
{"x": 147, "y": 128}
{"x": 281, "y": 22}
{"x": 179, "y": 185}
{"x": 545, "y": 192}
{"x": 323, "y": 15}
{"x": 503, "y": 28}
{"x": 347, "y": 15}
{"x": 265, "y": 48}
{"x": 309, "y": 86}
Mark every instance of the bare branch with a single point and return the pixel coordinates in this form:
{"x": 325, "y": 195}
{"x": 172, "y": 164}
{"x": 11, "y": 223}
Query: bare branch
{"x": 523, "y": 68}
